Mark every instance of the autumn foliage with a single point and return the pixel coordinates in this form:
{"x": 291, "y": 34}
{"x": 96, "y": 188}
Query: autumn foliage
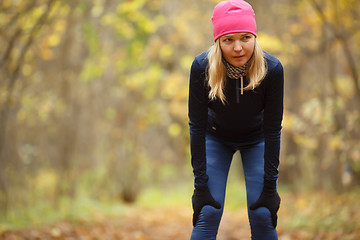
{"x": 93, "y": 105}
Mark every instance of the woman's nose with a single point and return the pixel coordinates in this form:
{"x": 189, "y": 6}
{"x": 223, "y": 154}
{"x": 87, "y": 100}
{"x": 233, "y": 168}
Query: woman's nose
{"x": 237, "y": 46}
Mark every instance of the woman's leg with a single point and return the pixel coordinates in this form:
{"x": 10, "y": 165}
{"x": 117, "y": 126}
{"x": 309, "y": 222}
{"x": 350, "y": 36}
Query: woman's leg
{"x": 218, "y": 158}
{"x": 260, "y": 219}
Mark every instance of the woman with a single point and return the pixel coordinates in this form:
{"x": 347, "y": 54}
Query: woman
{"x": 235, "y": 103}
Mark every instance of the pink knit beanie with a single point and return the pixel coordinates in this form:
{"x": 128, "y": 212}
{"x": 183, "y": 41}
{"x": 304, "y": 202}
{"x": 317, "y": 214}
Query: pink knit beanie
{"x": 233, "y": 16}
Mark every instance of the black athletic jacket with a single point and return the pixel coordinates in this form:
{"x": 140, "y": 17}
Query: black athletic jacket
{"x": 255, "y": 115}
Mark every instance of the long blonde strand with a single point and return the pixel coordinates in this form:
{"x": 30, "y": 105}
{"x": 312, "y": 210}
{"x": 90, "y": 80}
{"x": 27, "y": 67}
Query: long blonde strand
{"x": 257, "y": 67}
{"x": 216, "y": 73}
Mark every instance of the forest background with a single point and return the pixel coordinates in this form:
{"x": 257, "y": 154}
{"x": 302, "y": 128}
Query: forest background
{"x": 93, "y": 106}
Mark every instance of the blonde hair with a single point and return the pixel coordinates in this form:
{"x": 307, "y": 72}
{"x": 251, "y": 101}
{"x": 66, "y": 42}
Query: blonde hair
{"x": 216, "y": 74}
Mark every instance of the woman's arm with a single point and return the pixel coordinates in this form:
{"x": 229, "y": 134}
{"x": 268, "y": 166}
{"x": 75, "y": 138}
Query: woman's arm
{"x": 273, "y": 115}
{"x": 198, "y": 105}
{"x": 198, "y": 102}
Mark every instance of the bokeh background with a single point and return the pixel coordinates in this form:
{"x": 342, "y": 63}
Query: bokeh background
{"x": 93, "y": 107}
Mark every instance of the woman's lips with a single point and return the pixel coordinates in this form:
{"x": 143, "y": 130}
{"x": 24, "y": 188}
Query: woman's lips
{"x": 238, "y": 57}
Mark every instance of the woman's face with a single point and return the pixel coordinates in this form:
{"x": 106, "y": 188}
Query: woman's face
{"x": 237, "y": 48}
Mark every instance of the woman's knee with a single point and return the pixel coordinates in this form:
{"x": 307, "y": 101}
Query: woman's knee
{"x": 261, "y": 225}
{"x": 210, "y": 216}
{"x": 260, "y": 217}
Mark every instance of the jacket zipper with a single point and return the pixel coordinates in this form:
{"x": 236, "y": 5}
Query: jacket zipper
{"x": 237, "y": 91}
{"x": 241, "y": 80}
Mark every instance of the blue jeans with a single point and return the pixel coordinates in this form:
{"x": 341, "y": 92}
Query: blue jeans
{"x": 219, "y": 154}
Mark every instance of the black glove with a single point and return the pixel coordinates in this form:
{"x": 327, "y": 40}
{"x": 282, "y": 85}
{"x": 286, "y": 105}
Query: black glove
{"x": 200, "y": 198}
{"x": 270, "y": 199}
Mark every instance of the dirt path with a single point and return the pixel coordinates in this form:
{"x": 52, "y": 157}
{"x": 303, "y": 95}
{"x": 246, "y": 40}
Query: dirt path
{"x": 155, "y": 224}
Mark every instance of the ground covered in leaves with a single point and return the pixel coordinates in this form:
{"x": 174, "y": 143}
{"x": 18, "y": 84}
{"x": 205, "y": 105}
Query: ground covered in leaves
{"x": 158, "y": 224}
{"x": 305, "y": 216}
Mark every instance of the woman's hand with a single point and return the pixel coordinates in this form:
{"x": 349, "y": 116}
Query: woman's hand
{"x": 270, "y": 199}
{"x": 200, "y": 198}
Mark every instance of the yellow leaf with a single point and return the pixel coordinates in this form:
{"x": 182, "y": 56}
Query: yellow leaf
{"x": 166, "y": 51}
{"x": 270, "y": 42}
{"x": 53, "y": 40}
{"x": 174, "y": 130}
